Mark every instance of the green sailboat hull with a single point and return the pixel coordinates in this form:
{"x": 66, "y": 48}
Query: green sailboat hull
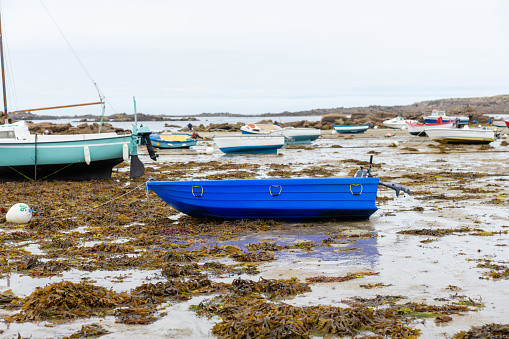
{"x": 60, "y": 158}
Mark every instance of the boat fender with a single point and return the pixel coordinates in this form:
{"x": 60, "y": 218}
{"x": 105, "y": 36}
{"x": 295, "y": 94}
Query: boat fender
{"x": 125, "y": 152}
{"x": 209, "y": 150}
{"x": 86, "y": 150}
{"x": 19, "y": 214}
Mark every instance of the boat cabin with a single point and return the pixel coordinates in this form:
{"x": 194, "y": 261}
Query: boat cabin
{"x": 16, "y": 131}
{"x": 437, "y": 113}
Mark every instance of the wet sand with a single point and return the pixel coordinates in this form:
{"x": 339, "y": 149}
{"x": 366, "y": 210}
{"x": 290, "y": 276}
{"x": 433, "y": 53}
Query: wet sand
{"x": 454, "y": 187}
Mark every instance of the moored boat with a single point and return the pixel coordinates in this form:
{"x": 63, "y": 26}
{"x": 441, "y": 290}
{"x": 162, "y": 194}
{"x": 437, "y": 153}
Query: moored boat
{"x": 293, "y": 134}
{"x": 26, "y": 156}
{"x": 249, "y": 144}
{"x": 436, "y": 115}
{"x": 287, "y": 199}
{"x": 350, "y": 129}
{"x": 464, "y": 135}
{"x": 418, "y": 129}
{"x": 173, "y": 140}
{"x": 284, "y": 199}
{"x": 398, "y": 122}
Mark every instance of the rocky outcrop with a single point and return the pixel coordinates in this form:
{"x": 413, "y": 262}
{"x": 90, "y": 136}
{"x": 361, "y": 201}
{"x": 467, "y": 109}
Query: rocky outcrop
{"x": 69, "y": 129}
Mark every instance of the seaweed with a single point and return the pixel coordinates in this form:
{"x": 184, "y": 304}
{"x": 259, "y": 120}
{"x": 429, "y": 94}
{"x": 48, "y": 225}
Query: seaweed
{"x": 65, "y": 300}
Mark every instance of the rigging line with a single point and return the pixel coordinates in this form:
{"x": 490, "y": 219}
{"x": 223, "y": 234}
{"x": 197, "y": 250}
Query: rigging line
{"x": 67, "y": 42}
{"x": 10, "y": 76}
{"x": 101, "y": 95}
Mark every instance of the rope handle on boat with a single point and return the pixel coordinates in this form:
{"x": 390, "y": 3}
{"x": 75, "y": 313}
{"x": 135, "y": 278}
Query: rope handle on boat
{"x": 197, "y": 195}
{"x": 355, "y": 185}
{"x": 275, "y": 194}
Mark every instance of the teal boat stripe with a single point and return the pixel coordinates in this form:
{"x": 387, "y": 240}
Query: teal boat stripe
{"x": 60, "y": 146}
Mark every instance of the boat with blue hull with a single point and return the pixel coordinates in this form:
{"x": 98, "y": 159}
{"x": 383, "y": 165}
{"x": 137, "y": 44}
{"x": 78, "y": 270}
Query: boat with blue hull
{"x": 437, "y": 116}
{"x": 172, "y": 140}
{"x": 284, "y": 199}
{"x": 350, "y": 129}
{"x": 281, "y": 199}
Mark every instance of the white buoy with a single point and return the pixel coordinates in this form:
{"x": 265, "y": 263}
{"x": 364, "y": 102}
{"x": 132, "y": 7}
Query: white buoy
{"x": 504, "y": 136}
{"x": 209, "y": 150}
{"x": 125, "y": 152}
{"x": 376, "y": 127}
{"x": 333, "y": 131}
{"x": 19, "y": 214}
{"x": 395, "y": 144}
{"x": 86, "y": 151}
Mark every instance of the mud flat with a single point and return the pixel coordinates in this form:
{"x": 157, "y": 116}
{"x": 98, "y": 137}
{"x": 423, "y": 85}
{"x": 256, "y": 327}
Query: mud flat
{"x": 108, "y": 258}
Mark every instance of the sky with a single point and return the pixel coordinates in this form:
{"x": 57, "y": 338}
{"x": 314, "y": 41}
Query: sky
{"x": 251, "y": 57}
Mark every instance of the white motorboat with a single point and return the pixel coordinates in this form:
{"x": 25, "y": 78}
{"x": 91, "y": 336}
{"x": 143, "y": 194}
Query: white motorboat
{"x": 464, "y": 135}
{"x": 350, "y": 129}
{"x": 398, "y": 122}
{"x": 245, "y": 143}
{"x": 418, "y": 129}
{"x": 293, "y": 134}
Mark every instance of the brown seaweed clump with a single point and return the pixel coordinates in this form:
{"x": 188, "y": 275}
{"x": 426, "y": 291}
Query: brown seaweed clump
{"x": 65, "y": 300}
{"x": 89, "y": 331}
{"x": 350, "y": 276}
{"x": 439, "y": 232}
{"x": 485, "y": 331}
{"x": 256, "y": 318}
{"x": 135, "y": 315}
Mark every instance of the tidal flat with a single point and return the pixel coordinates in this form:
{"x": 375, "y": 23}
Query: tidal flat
{"x": 106, "y": 258}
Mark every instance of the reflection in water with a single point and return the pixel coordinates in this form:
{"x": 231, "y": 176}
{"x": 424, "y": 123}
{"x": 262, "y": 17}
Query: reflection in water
{"x": 343, "y": 243}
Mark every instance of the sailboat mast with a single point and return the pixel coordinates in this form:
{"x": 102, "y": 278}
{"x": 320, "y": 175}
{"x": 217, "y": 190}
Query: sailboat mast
{"x": 3, "y": 73}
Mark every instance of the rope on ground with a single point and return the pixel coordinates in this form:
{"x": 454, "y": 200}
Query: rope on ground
{"x": 120, "y": 196}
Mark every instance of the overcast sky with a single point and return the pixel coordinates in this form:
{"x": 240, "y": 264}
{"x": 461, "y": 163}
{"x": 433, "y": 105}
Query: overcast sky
{"x": 252, "y": 57}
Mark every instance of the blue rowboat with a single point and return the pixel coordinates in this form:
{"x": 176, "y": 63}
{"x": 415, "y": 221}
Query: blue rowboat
{"x": 283, "y": 199}
{"x": 172, "y": 140}
{"x": 350, "y": 129}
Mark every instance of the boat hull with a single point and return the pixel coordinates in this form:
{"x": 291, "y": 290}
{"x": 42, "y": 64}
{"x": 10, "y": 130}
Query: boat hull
{"x": 298, "y": 135}
{"x": 433, "y": 120}
{"x": 350, "y": 129}
{"x": 249, "y": 144}
{"x": 63, "y": 157}
{"x": 398, "y": 123}
{"x": 167, "y": 144}
{"x": 77, "y": 171}
{"x": 461, "y": 136}
{"x": 282, "y": 199}
{"x": 418, "y": 129}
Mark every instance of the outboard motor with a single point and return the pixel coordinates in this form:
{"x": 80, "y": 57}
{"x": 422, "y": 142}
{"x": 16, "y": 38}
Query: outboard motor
{"x": 362, "y": 173}
{"x": 145, "y": 140}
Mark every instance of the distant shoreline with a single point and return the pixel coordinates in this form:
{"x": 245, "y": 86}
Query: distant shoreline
{"x": 494, "y": 105}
